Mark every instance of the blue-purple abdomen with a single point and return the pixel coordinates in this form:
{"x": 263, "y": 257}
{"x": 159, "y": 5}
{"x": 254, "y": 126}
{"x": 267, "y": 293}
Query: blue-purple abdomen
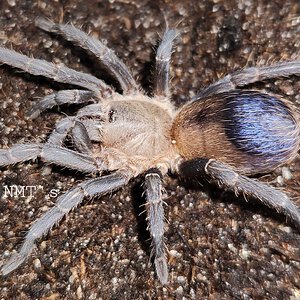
{"x": 251, "y": 131}
{"x": 261, "y": 125}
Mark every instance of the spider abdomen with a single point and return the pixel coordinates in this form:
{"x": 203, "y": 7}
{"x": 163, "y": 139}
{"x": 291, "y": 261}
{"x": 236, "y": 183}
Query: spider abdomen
{"x": 252, "y": 131}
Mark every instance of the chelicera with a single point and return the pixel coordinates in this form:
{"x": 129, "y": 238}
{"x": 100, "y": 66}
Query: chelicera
{"x": 224, "y": 134}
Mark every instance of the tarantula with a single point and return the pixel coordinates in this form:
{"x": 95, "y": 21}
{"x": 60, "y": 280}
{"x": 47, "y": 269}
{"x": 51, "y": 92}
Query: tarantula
{"x": 223, "y": 134}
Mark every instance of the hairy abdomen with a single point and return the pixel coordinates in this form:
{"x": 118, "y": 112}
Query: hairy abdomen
{"x": 251, "y": 131}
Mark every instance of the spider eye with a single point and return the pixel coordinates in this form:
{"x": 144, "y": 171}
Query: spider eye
{"x": 112, "y": 116}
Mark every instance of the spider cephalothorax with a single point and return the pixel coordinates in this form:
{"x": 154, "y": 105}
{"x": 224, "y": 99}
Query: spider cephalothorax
{"x": 223, "y": 134}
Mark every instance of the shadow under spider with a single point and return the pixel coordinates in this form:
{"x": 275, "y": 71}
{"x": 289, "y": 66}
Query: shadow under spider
{"x": 218, "y": 195}
{"x": 138, "y": 199}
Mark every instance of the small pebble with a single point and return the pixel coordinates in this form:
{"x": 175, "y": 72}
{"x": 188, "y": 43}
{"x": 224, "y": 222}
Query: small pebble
{"x": 245, "y": 252}
{"x": 79, "y": 293}
{"x": 232, "y": 248}
{"x": 280, "y": 180}
{"x": 11, "y": 3}
{"x": 37, "y": 264}
{"x": 286, "y": 173}
{"x": 124, "y": 262}
{"x": 181, "y": 279}
{"x": 179, "y": 290}
{"x": 174, "y": 253}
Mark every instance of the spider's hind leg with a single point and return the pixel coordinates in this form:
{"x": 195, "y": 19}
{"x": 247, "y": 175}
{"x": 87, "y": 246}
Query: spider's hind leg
{"x": 155, "y": 212}
{"x": 227, "y": 179}
{"x": 250, "y": 75}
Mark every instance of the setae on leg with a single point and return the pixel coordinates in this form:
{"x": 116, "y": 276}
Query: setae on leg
{"x": 105, "y": 55}
{"x": 226, "y": 178}
{"x": 60, "y": 98}
{"x": 162, "y": 66}
{"x": 246, "y": 76}
{"x": 65, "y": 203}
{"x": 155, "y": 212}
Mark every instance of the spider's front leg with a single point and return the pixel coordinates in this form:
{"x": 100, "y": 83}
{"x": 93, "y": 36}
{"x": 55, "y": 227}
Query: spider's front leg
{"x": 155, "y": 212}
{"x": 227, "y": 179}
{"x": 60, "y": 98}
{"x": 65, "y": 203}
{"x": 162, "y": 66}
{"x": 53, "y": 152}
{"x": 96, "y": 47}
{"x": 57, "y": 72}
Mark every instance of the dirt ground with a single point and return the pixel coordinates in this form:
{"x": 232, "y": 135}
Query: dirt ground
{"x": 221, "y": 248}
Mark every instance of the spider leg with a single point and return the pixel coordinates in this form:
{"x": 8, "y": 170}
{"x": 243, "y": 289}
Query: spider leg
{"x": 226, "y": 178}
{"x": 155, "y": 211}
{"x": 65, "y": 203}
{"x": 162, "y": 66}
{"x": 61, "y": 130}
{"x": 59, "y": 98}
{"x": 81, "y": 138}
{"x": 71, "y": 159}
{"x": 57, "y": 72}
{"x": 78, "y": 131}
{"x": 250, "y": 75}
{"x": 91, "y": 116}
{"x": 105, "y": 55}
{"x": 53, "y": 152}
{"x": 18, "y": 153}
{"x": 22, "y": 152}
{"x": 91, "y": 110}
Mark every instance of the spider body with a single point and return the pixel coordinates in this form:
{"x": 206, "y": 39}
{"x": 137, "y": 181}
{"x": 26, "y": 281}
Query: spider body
{"x": 251, "y": 131}
{"x": 135, "y": 133}
{"x": 223, "y": 133}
